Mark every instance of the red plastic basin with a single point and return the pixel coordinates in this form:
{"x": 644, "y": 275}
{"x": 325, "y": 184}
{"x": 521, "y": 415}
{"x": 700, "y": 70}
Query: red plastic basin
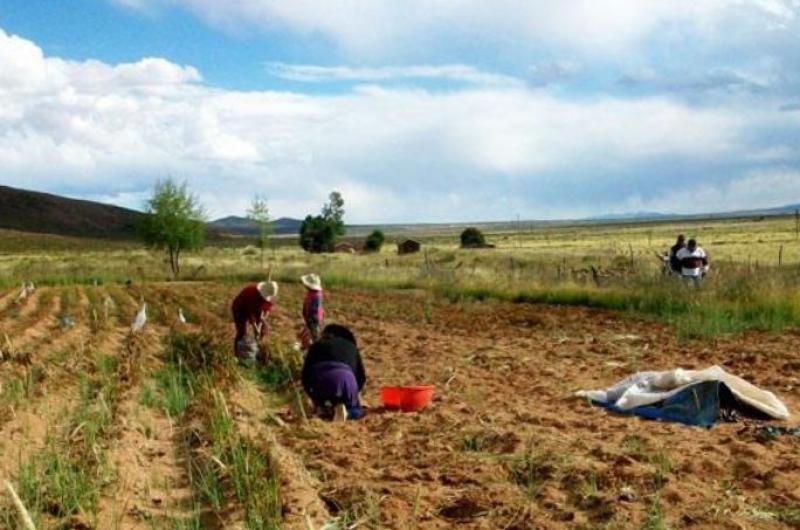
{"x": 407, "y": 398}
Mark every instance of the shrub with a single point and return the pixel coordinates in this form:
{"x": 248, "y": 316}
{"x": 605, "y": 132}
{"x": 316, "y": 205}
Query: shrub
{"x": 317, "y": 234}
{"x": 374, "y": 241}
{"x": 472, "y": 238}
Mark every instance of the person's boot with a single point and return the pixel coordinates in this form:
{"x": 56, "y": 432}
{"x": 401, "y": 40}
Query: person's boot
{"x": 340, "y": 413}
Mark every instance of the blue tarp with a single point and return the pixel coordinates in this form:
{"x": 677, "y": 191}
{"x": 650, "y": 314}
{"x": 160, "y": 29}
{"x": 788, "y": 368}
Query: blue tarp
{"x": 699, "y": 404}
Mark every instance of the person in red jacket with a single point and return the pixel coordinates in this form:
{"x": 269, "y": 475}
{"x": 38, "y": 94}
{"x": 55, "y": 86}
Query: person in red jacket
{"x": 252, "y": 306}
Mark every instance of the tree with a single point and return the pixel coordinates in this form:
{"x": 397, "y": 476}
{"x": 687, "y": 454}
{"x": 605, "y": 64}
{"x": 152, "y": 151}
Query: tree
{"x": 318, "y": 233}
{"x": 259, "y": 214}
{"x": 374, "y": 241}
{"x": 472, "y": 238}
{"x": 174, "y": 222}
{"x": 334, "y": 210}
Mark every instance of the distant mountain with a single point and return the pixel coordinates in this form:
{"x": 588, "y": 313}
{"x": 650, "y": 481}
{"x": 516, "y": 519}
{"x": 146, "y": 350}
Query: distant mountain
{"x": 655, "y": 216}
{"x": 31, "y": 211}
{"x": 627, "y": 216}
{"x": 242, "y": 226}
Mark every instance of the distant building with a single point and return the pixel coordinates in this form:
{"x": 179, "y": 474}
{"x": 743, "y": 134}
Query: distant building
{"x": 408, "y": 246}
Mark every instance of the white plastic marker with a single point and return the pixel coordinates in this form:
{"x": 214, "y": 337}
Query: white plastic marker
{"x": 23, "y": 293}
{"x": 140, "y": 320}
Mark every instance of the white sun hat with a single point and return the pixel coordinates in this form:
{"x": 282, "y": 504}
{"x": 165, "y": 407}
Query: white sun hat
{"x": 312, "y": 281}
{"x": 268, "y": 290}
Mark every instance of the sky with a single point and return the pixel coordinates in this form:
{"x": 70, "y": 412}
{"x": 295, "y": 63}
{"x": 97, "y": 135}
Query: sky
{"x": 415, "y": 110}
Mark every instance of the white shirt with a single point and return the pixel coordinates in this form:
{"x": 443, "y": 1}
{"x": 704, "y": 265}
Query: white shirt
{"x": 699, "y": 254}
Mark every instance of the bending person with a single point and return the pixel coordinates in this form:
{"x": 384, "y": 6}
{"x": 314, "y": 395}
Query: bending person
{"x": 252, "y": 307}
{"x": 333, "y": 374}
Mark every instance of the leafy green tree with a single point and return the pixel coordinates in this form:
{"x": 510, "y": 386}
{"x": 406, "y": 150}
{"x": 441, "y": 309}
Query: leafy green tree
{"x": 318, "y": 233}
{"x": 259, "y": 214}
{"x": 334, "y": 209}
{"x": 472, "y": 238}
{"x": 374, "y": 241}
{"x": 174, "y": 222}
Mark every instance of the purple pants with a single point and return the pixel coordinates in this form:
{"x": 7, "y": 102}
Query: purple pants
{"x": 334, "y": 382}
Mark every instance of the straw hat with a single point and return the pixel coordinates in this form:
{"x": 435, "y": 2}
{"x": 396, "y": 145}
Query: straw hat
{"x": 268, "y": 290}
{"x": 312, "y": 281}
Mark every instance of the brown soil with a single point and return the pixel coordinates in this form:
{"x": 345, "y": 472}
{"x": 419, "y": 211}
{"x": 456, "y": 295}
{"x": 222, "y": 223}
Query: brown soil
{"x": 505, "y": 375}
{"x": 504, "y": 444}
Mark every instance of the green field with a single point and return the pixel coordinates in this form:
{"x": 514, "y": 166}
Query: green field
{"x": 753, "y": 284}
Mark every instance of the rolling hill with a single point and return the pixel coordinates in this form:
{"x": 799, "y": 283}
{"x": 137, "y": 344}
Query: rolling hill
{"x": 242, "y": 226}
{"x": 45, "y": 213}
{"x": 31, "y": 211}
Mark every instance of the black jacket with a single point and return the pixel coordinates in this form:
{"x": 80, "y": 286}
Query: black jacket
{"x": 334, "y": 349}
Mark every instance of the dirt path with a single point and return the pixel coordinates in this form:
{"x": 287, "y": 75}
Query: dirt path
{"x": 39, "y": 328}
{"x": 298, "y": 489}
{"x": 152, "y": 489}
{"x": 6, "y": 298}
{"x": 54, "y": 392}
{"x": 30, "y": 315}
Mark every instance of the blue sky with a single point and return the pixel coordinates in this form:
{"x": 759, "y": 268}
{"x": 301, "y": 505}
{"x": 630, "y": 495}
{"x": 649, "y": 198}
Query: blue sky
{"x": 417, "y": 110}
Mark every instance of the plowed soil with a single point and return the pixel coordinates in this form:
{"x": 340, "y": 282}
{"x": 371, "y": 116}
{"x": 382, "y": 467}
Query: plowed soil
{"x": 504, "y": 444}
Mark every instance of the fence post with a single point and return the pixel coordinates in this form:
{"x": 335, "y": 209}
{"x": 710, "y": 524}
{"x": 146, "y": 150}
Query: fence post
{"x": 797, "y": 224}
{"x": 595, "y": 276}
{"x": 780, "y": 257}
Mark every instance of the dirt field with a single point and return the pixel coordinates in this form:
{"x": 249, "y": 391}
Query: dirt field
{"x": 503, "y": 445}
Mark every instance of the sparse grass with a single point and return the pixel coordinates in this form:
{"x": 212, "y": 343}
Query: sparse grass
{"x": 199, "y": 370}
{"x": 790, "y": 515}
{"x": 16, "y": 389}
{"x": 472, "y": 442}
{"x": 532, "y": 469}
{"x": 175, "y": 385}
{"x": 655, "y": 519}
{"x": 360, "y": 509}
{"x": 65, "y": 479}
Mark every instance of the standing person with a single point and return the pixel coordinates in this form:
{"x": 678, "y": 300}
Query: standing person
{"x": 693, "y": 260}
{"x": 313, "y": 311}
{"x": 674, "y": 262}
{"x": 333, "y": 373}
{"x": 252, "y": 306}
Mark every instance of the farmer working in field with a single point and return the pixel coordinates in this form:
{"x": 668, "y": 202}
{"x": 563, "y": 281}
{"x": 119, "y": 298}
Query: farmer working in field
{"x": 674, "y": 262}
{"x": 333, "y": 374}
{"x": 313, "y": 312}
{"x": 693, "y": 260}
{"x": 252, "y": 306}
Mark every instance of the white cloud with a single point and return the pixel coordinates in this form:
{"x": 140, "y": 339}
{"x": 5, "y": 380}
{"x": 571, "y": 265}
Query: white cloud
{"x": 372, "y": 27}
{"x": 546, "y": 73}
{"x": 448, "y": 72}
{"x": 754, "y": 190}
{"x": 483, "y": 152}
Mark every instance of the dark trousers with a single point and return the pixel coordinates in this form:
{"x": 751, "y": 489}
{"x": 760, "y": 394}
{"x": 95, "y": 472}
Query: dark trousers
{"x": 240, "y": 321}
{"x": 334, "y": 383}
